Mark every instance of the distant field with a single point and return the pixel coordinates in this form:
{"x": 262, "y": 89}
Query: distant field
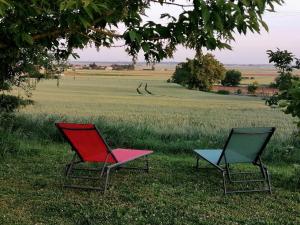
{"x": 159, "y": 73}
{"x": 263, "y": 76}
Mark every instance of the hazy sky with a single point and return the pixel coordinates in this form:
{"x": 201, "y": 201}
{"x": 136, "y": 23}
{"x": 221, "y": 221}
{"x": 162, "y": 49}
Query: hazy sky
{"x": 284, "y": 33}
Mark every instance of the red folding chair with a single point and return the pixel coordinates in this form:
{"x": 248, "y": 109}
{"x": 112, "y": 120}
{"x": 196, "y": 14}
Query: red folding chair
{"x": 90, "y": 147}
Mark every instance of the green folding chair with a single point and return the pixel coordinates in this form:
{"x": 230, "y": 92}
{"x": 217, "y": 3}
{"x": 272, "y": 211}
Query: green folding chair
{"x": 244, "y": 145}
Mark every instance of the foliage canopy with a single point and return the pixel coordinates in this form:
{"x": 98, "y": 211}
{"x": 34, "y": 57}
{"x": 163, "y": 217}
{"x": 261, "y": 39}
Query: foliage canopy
{"x": 288, "y": 84}
{"x": 200, "y": 73}
{"x": 283, "y": 61}
{"x": 252, "y": 87}
{"x": 232, "y": 78}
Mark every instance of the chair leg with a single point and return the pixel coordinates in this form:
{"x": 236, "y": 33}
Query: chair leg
{"x": 106, "y": 180}
{"x": 228, "y": 172}
{"x": 265, "y": 179}
{"x": 266, "y": 175}
{"x": 268, "y": 180}
{"x": 69, "y": 166}
{"x": 103, "y": 170}
{"x": 224, "y": 182}
{"x": 197, "y": 162}
{"x": 147, "y": 164}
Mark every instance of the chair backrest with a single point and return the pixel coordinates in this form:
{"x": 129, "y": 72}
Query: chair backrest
{"x": 245, "y": 144}
{"x": 86, "y": 140}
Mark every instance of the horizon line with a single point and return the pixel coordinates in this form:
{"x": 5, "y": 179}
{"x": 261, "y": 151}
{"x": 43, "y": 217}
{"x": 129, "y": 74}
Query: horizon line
{"x": 91, "y": 61}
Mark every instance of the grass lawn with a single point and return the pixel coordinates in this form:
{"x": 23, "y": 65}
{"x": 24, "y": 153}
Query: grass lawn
{"x": 172, "y": 193}
{"x": 172, "y": 122}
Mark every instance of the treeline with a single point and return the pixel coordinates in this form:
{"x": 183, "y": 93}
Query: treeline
{"x": 94, "y": 66}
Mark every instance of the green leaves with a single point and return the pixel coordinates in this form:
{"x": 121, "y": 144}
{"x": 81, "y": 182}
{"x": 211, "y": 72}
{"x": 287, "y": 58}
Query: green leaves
{"x": 205, "y": 14}
{"x": 84, "y": 21}
{"x": 232, "y": 78}
{"x": 288, "y": 84}
{"x": 199, "y": 73}
{"x": 3, "y": 5}
{"x": 211, "y": 43}
{"x": 265, "y": 26}
{"x": 67, "y": 4}
{"x": 27, "y": 38}
{"x": 261, "y": 5}
{"x": 145, "y": 46}
{"x": 132, "y": 35}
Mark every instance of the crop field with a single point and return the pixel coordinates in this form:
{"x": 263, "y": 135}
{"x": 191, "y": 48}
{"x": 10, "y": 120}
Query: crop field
{"x": 170, "y": 109}
{"x": 171, "y": 121}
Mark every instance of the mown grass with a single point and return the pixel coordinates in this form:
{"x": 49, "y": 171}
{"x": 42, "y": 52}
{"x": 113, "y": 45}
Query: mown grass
{"x": 172, "y": 122}
{"x": 172, "y": 193}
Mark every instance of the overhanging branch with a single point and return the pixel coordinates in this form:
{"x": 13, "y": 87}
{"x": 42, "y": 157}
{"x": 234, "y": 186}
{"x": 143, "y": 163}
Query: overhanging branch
{"x": 171, "y": 3}
{"x": 61, "y": 33}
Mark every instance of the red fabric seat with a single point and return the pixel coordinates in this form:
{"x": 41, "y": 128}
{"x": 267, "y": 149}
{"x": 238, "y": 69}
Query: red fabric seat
{"x": 90, "y": 146}
{"x": 125, "y": 155}
{"x": 86, "y": 140}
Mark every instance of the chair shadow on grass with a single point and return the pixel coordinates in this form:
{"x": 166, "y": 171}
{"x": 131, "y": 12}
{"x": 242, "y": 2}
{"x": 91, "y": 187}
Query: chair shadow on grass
{"x": 183, "y": 176}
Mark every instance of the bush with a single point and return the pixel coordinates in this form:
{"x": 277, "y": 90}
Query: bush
{"x": 200, "y": 73}
{"x": 239, "y": 91}
{"x": 223, "y": 92}
{"x": 232, "y": 78}
{"x": 252, "y": 88}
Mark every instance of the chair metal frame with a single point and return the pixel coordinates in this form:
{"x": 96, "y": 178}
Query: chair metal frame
{"x": 106, "y": 168}
{"x": 227, "y": 174}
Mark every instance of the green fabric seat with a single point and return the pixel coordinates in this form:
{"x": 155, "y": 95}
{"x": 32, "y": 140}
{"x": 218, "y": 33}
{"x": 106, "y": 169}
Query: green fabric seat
{"x": 244, "y": 145}
{"x": 210, "y": 155}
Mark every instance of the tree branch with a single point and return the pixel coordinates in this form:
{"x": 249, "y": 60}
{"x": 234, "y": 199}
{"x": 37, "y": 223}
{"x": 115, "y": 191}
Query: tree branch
{"x": 106, "y": 32}
{"x": 171, "y": 3}
{"x": 57, "y": 33}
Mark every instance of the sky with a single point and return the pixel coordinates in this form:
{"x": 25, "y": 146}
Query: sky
{"x": 284, "y": 33}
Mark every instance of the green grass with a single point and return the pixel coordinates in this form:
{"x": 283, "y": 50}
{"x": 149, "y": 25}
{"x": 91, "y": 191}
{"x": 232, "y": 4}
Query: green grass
{"x": 172, "y": 193}
{"x": 172, "y": 122}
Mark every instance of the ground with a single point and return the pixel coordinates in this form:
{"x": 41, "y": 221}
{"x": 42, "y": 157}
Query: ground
{"x": 172, "y": 122}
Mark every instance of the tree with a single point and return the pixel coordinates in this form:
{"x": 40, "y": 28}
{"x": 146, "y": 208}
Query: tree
{"x": 200, "y": 73}
{"x": 289, "y": 85}
{"x": 31, "y": 29}
{"x": 283, "y": 62}
{"x": 232, "y": 78}
{"x": 252, "y": 87}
